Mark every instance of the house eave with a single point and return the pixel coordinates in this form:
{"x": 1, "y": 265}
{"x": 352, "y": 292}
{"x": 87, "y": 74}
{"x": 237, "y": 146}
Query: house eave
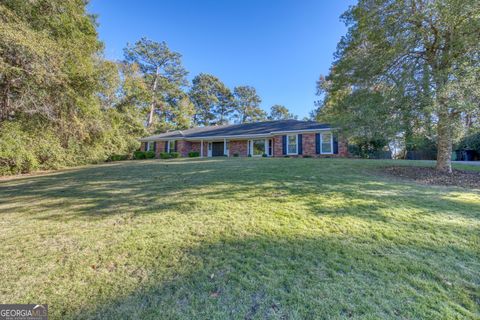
{"x": 237, "y": 136}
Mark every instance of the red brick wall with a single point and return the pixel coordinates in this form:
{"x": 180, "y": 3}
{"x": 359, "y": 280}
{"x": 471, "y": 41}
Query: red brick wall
{"x": 238, "y": 146}
{"x": 308, "y": 144}
{"x": 277, "y": 146}
{"x": 195, "y": 146}
{"x": 309, "y": 147}
{"x": 184, "y": 147}
{"x": 160, "y": 148}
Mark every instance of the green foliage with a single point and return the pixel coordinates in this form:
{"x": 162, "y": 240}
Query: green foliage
{"x": 212, "y": 99}
{"x": 406, "y": 68}
{"x": 369, "y": 148}
{"x": 149, "y": 154}
{"x": 165, "y": 155}
{"x": 236, "y": 155}
{"x": 59, "y": 98}
{"x": 118, "y": 157}
{"x": 138, "y": 155}
{"x": 279, "y": 112}
{"x": 194, "y": 154}
{"x": 247, "y": 103}
{"x": 163, "y": 77}
{"x": 15, "y": 153}
{"x": 470, "y": 142}
{"x": 174, "y": 154}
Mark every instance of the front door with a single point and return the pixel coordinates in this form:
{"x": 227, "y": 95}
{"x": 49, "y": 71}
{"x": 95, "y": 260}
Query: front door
{"x": 217, "y": 149}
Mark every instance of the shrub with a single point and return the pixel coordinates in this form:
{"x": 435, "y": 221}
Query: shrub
{"x": 164, "y": 155}
{"x": 470, "y": 142}
{"x": 307, "y": 156}
{"x": 118, "y": 157}
{"x": 174, "y": 154}
{"x": 16, "y": 155}
{"x": 194, "y": 154}
{"x": 264, "y": 155}
{"x": 249, "y": 155}
{"x": 236, "y": 155}
{"x": 139, "y": 155}
{"x": 150, "y": 154}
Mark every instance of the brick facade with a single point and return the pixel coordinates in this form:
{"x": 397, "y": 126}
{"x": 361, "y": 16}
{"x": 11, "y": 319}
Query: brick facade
{"x": 240, "y": 147}
{"x": 184, "y": 147}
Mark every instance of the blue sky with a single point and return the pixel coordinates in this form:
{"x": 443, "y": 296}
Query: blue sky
{"x": 280, "y": 47}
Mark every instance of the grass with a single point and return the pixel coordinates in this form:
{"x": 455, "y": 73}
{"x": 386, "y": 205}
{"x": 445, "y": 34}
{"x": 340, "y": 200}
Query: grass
{"x": 239, "y": 239}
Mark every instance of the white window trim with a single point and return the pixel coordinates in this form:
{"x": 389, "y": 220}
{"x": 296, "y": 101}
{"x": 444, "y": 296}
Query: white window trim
{"x": 168, "y": 145}
{"x": 321, "y": 143}
{"x": 296, "y": 144}
{"x": 265, "y": 147}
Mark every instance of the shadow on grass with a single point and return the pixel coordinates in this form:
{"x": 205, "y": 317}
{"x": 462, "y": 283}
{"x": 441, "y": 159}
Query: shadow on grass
{"x": 388, "y": 249}
{"x": 268, "y": 277}
{"x": 150, "y": 186}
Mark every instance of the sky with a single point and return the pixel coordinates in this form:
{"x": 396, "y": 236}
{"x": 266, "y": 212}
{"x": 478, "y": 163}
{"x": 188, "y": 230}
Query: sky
{"x": 280, "y": 47}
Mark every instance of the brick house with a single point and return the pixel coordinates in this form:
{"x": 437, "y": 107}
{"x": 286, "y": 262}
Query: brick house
{"x": 270, "y": 138}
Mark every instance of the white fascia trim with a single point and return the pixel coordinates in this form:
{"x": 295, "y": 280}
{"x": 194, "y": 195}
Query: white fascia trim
{"x": 221, "y": 138}
{"x": 301, "y": 131}
{"x": 239, "y": 136}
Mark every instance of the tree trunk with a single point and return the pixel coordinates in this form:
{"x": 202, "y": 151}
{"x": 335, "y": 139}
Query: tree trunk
{"x": 152, "y": 108}
{"x": 444, "y": 143}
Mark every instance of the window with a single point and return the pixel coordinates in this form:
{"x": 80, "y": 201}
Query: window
{"x": 258, "y": 147}
{"x": 292, "y": 144}
{"x": 171, "y": 146}
{"x": 149, "y": 146}
{"x": 327, "y": 143}
{"x": 270, "y": 147}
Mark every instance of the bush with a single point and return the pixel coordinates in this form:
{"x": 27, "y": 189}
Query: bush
{"x": 264, "y": 155}
{"x": 150, "y": 154}
{"x": 249, "y": 155}
{"x": 307, "y": 156}
{"x": 164, "y": 155}
{"x": 174, "y": 154}
{"x": 118, "y": 157}
{"x": 139, "y": 155}
{"x": 194, "y": 154}
{"x": 16, "y": 155}
{"x": 470, "y": 142}
{"x": 236, "y": 155}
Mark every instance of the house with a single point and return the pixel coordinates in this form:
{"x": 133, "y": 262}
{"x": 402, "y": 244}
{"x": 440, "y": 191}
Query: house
{"x": 270, "y": 138}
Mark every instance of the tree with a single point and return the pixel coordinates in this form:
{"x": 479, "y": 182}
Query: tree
{"x": 247, "y": 104}
{"x": 279, "y": 112}
{"x": 59, "y": 99}
{"x": 212, "y": 99}
{"x": 403, "y": 62}
{"x": 161, "y": 68}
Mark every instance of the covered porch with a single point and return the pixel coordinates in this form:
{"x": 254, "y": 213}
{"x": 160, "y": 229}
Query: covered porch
{"x": 255, "y": 147}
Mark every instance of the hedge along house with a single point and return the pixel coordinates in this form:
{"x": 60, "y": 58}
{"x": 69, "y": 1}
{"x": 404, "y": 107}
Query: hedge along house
{"x": 270, "y": 138}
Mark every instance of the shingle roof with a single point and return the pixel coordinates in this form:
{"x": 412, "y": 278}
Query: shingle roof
{"x": 255, "y": 128}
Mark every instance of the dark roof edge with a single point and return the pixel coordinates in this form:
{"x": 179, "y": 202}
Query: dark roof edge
{"x": 245, "y": 136}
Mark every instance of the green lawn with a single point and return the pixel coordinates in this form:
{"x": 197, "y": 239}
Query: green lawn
{"x": 239, "y": 239}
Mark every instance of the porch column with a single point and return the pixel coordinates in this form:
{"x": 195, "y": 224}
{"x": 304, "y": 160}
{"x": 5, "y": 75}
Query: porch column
{"x": 201, "y": 148}
{"x": 224, "y": 147}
